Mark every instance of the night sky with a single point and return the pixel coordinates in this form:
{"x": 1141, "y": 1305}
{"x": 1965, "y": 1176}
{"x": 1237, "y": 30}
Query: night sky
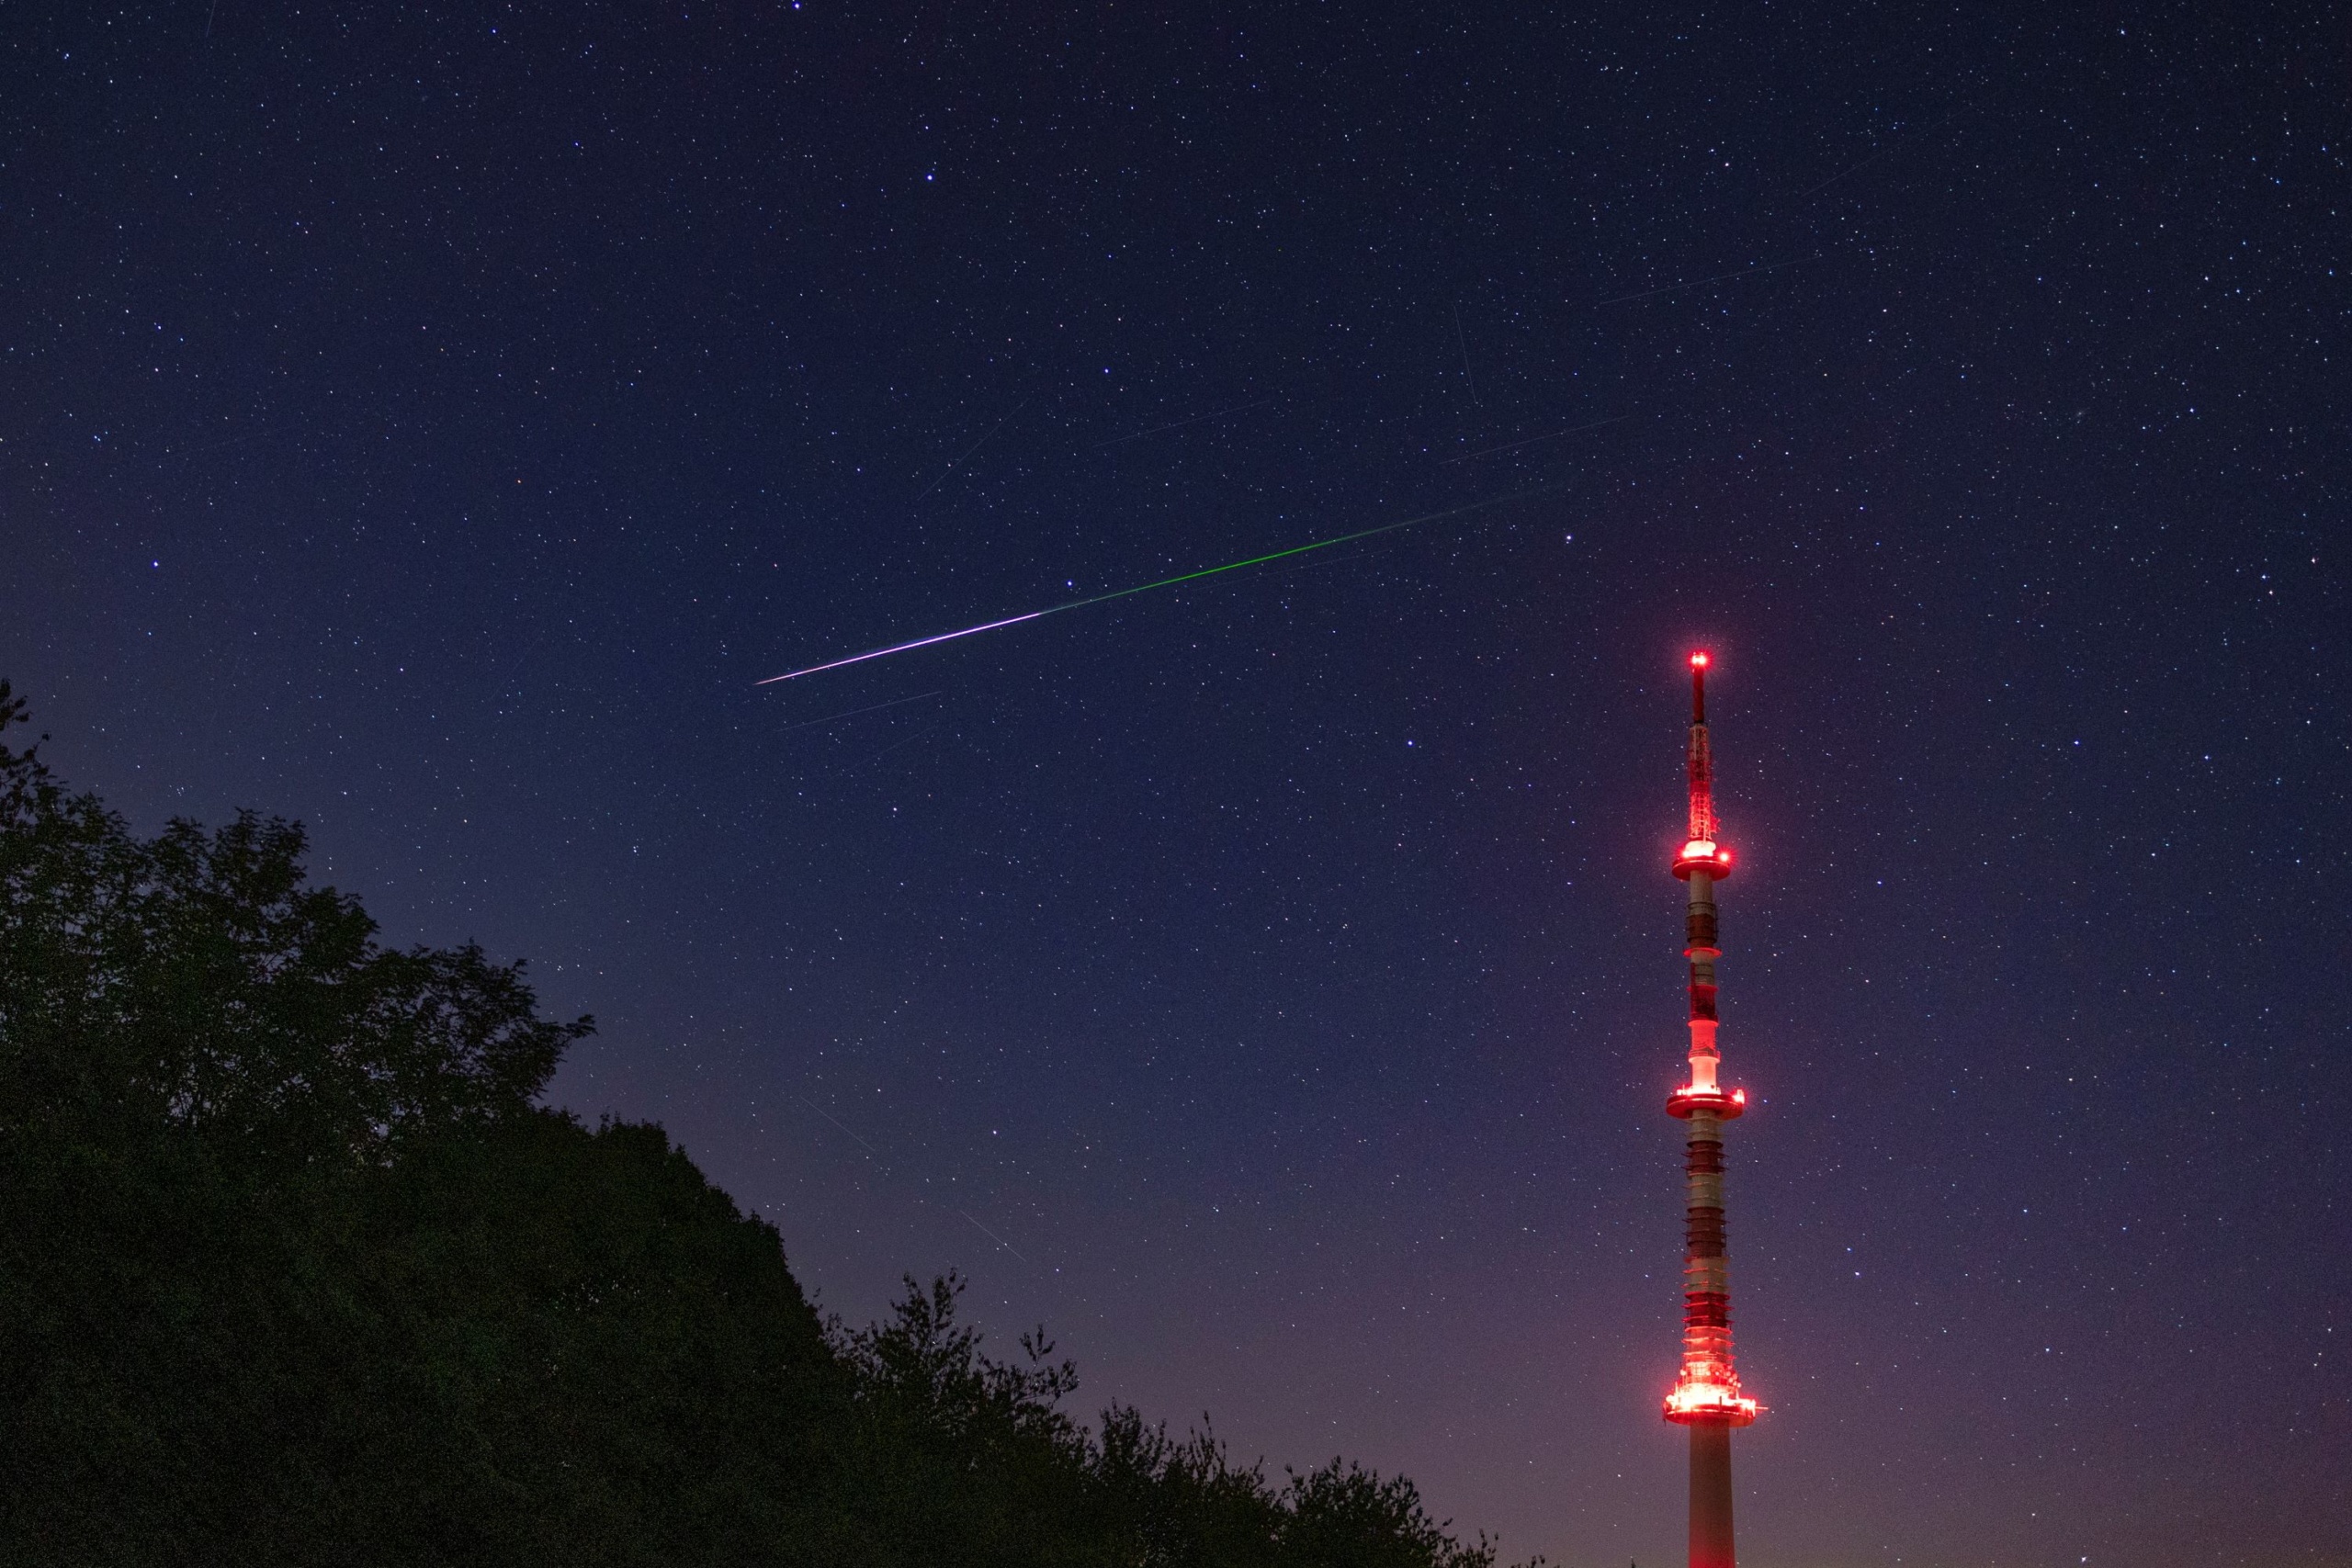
{"x": 430, "y": 423}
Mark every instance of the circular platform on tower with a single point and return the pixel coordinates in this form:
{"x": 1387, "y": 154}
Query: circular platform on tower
{"x": 1727, "y": 1106}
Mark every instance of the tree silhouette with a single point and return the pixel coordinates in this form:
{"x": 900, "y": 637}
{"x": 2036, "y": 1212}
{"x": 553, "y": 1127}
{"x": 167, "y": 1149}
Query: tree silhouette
{"x": 294, "y": 1268}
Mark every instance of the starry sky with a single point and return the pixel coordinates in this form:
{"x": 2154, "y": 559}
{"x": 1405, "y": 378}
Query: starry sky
{"x": 432, "y": 422}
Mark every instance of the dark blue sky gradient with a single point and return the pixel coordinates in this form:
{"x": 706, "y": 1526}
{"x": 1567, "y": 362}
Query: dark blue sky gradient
{"x": 431, "y": 422}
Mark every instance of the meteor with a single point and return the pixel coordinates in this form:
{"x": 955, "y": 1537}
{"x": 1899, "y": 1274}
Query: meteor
{"x": 1147, "y": 587}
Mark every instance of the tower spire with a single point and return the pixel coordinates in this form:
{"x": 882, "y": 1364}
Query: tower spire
{"x": 1706, "y": 1397}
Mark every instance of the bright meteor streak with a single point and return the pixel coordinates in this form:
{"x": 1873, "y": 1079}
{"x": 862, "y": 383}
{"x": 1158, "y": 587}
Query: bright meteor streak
{"x": 1147, "y": 587}
{"x": 903, "y": 646}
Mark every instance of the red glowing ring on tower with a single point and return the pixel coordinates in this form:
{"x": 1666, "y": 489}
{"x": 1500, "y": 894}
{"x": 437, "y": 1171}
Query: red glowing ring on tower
{"x": 1725, "y": 1105}
{"x": 1702, "y": 854}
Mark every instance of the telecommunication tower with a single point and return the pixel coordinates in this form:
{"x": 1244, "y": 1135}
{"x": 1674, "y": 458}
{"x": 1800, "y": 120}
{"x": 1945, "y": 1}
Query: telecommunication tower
{"x": 1706, "y": 1397}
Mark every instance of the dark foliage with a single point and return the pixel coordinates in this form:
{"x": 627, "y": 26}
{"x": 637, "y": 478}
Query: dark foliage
{"x": 294, "y": 1270}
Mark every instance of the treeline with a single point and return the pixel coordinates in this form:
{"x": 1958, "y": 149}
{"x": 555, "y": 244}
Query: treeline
{"x": 293, "y": 1269}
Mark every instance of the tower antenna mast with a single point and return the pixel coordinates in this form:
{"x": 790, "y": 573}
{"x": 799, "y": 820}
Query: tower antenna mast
{"x": 1706, "y": 1397}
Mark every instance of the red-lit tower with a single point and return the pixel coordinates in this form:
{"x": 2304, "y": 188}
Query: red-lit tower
{"x": 1706, "y": 1397}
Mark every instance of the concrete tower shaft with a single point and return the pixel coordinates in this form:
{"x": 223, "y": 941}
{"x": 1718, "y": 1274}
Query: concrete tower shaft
{"x": 1707, "y": 1397}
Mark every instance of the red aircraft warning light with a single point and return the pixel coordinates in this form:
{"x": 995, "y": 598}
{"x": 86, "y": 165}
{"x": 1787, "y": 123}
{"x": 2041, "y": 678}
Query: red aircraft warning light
{"x": 1706, "y": 1397}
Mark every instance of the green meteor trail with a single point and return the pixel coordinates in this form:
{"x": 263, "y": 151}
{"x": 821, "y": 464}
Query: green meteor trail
{"x": 1147, "y": 587}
